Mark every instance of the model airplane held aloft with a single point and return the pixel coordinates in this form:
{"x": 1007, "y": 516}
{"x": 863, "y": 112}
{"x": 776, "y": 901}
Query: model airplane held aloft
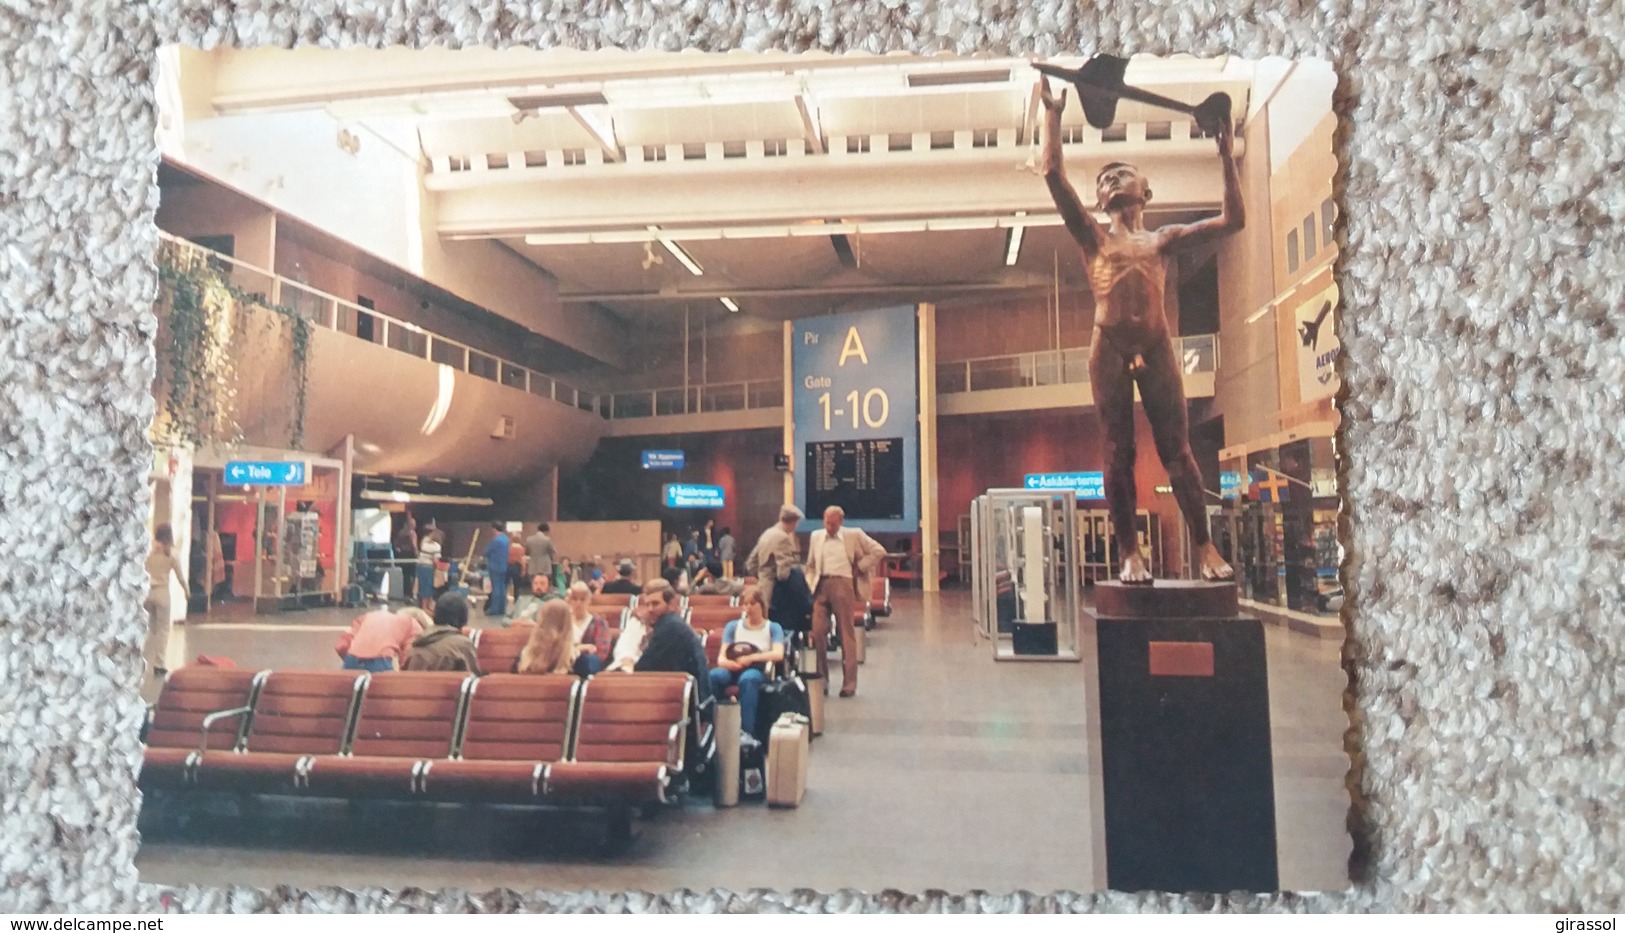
{"x": 1100, "y": 86}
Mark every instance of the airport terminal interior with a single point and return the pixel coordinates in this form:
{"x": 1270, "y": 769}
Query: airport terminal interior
{"x": 641, "y": 301}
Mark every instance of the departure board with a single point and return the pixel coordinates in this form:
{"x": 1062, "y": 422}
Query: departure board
{"x": 864, "y": 477}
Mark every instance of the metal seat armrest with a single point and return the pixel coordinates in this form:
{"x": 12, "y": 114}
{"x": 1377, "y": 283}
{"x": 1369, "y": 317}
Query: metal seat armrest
{"x": 212, "y": 718}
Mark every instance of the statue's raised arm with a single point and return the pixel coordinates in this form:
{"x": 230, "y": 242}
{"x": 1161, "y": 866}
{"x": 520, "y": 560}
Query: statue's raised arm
{"x": 1083, "y": 226}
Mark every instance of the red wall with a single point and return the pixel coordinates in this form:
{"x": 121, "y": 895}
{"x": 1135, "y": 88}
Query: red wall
{"x": 613, "y": 486}
{"x": 976, "y": 453}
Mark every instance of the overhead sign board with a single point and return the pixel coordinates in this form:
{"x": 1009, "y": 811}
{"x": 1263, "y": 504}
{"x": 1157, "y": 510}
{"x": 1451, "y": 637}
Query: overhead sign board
{"x": 1230, "y": 484}
{"x": 265, "y": 472}
{"x": 691, "y": 496}
{"x": 1086, "y": 485}
{"x": 855, "y": 408}
{"x": 662, "y": 459}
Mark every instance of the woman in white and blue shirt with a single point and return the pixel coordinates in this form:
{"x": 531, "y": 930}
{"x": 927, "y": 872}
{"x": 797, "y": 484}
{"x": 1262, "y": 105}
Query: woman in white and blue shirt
{"x": 748, "y": 671}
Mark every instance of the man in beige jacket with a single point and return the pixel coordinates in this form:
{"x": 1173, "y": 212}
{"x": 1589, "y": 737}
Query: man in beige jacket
{"x": 840, "y": 562}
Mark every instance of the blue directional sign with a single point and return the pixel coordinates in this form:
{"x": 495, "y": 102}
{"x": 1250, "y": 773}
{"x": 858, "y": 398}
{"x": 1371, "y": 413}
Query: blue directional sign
{"x": 690, "y": 496}
{"x": 1086, "y": 485}
{"x": 662, "y": 459}
{"x": 265, "y": 473}
{"x": 1230, "y": 484}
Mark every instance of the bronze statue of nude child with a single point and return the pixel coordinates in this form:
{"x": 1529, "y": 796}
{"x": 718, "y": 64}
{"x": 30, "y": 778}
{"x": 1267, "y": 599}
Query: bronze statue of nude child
{"x": 1127, "y": 266}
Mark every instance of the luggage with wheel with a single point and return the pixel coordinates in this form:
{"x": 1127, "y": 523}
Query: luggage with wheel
{"x": 787, "y": 761}
{"x": 752, "y": 769}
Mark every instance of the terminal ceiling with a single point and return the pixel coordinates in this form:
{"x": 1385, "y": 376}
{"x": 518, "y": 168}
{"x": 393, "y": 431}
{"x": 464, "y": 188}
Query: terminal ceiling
{"x": 793, "y": 184}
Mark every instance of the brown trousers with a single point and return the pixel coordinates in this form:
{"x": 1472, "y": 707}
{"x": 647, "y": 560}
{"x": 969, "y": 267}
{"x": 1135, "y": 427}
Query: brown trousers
{"x": 837, "y": 595}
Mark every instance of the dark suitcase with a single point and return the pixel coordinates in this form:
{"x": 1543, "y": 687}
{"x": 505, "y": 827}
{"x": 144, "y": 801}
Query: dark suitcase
{"x": 785, "y": 695}
{"x": 752, "y": 770}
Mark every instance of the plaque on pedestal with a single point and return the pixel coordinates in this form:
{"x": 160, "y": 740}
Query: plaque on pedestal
{"x": 1189, "y": 788}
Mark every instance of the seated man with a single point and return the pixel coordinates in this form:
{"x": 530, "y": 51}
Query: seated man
{"x": 670, "y": 644}
{"x": 445, "y": 647}
{"x": 748, "y": 647}
{"x": 624, "y": 582}
{"x": 528, "y": 606}
{"x": 711, "y": 582}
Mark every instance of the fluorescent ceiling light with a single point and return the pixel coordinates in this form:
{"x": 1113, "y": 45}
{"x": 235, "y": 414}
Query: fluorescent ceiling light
{"x": 729, "y": 304}
{"x": 379, "y": 495}
{"x": 943, "y": 78}
{"x": 600, "y": 127}
{"x": 962, "y": 223}
{"x": 1013, "y": 251}
{"x": 677, "y": 251}
{"x": 558, "y": 99}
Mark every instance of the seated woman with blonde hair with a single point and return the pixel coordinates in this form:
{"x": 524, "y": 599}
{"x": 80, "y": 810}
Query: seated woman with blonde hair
{"x": 551, "y": 648}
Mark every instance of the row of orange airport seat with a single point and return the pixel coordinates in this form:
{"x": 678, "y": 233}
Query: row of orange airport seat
{"x": 614, "y": 743}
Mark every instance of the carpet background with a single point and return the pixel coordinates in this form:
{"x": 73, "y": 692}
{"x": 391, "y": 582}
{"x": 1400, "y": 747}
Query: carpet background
{"x": 1484, "y": 362}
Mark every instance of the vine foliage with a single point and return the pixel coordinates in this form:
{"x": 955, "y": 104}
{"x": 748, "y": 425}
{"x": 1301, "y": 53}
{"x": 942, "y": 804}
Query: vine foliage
{"x": 209, "y": 328}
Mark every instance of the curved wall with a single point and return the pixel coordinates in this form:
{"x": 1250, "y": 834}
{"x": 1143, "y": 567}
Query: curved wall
{"x": 411, "y": 416}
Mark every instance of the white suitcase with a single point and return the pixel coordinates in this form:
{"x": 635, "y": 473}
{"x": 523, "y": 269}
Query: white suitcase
{"x": 787, "y": 754}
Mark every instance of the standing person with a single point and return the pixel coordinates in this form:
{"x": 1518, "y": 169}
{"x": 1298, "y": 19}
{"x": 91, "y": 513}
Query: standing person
{"x": 516, "y": 566}
{"x": 775, "y": 553}
{"x": 725, "y": 552}
{"x": 588, "y": 631}
{"x": 162, "y": 566}
{"x": 710, "y": 550}
{"x": 765, "y": 639}
{"x": 496, "y": 564}
{"x": 839, "y": 562}
{"x": 380, "y": 640}
{"x": 406, "y": 553}
{"x": 1128, "y": 267}
{"x": 428, "y": 561}
{"x": 672, "y": 552}
{"x": 445, "y": 647}
{"x": 691, "y": 546}
{"x": 539, "y": 548}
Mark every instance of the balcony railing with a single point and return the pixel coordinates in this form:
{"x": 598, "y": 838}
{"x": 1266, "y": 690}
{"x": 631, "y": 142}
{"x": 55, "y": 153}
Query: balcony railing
{"x": 717, "y": 397}
{"x": 335, "y": 313}
{"x": 1196, "y": 354}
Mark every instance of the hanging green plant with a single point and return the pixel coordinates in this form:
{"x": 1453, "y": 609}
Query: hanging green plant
{"x": 206, "y": 320}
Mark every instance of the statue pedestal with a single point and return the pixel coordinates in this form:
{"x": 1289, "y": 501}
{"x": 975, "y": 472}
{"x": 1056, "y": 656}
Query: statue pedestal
{"x": 1189, "y": 790}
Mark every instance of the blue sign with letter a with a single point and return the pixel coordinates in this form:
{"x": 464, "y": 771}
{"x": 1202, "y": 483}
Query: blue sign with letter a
{"x": 662, "y": 459}
{"x": 690, "y": 496}
{"x": 265, "y": 473}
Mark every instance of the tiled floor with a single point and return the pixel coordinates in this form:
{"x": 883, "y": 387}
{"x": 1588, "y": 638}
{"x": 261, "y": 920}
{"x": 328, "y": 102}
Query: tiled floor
{"x": 948, "y": 770}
